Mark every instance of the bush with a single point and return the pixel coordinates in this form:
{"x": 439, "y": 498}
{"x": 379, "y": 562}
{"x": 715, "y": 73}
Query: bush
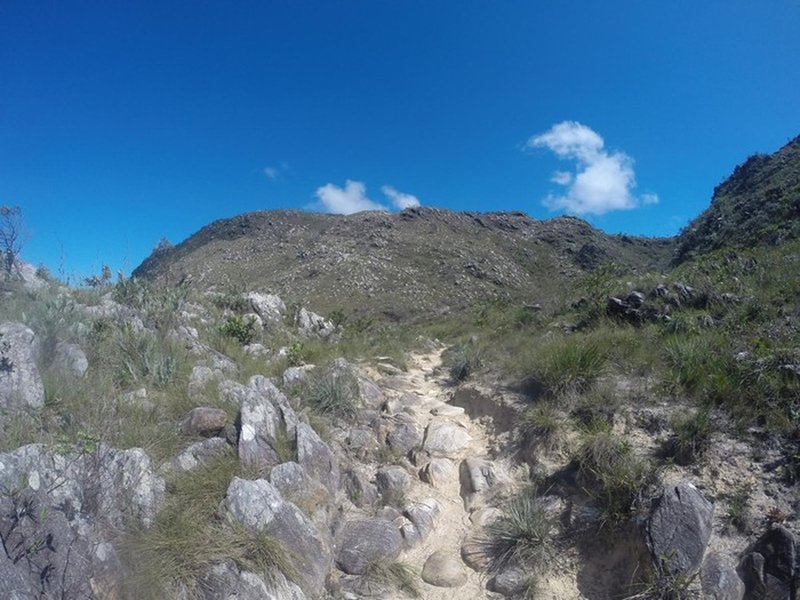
{"x": 239, "y": 328}
{"x": 520, "y": 537}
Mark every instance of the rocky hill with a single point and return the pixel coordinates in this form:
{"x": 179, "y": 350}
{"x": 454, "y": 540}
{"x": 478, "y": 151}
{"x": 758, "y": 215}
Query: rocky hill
{"x": 759, "y": 204}
{"x": 422, "y": 261}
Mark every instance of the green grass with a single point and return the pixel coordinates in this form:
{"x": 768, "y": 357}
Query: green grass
{"x": 380, "y": 575}
{"x": 332, "y": 392}
{"x": 543, "y": 427}
{"x": 568, "y": 364}
{"x": 692, "y": 433}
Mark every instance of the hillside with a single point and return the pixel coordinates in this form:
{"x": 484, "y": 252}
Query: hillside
{"x": 758, "y": 204}
{"x": 421, "y": 261}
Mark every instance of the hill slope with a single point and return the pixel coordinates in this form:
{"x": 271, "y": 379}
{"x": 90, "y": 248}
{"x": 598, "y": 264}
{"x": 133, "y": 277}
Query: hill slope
{"x": 759, "y": 204}
{"x": 412, "y": 264}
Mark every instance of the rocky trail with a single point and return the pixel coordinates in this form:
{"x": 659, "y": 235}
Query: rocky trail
{"x": 456, "y": 467}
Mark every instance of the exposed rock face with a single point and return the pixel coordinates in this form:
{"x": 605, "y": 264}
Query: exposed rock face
{"x": 21, "y": 388}
{"x": 224, "y": 581}
{"x": 200, "y": 454}
{"x": 771, "y": 568}
{"x": 56, "y": 511}
{"x": 258, "y": 506}
{"x": 442, "y": 569}
{"x": 679, "y": 529}
{"x": 363, "y": 541}
{"x": 317, "y": 458}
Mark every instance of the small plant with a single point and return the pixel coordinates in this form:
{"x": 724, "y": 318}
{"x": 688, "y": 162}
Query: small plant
{"x": 6, "y": 366}
{"x": 239, "y": 328}
{"x": 738, "y": 508}
{"x": 520, "y": 537}
{"x": 333, "y": 392}
{"x": 295, "y": 354}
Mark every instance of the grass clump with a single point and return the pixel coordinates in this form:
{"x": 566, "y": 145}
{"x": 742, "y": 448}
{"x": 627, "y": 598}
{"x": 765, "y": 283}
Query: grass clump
{"x": 543, "y": 427}
{"x": 188, "y": 536}
{"x": 463, "y": 360}
{"x": 613, "y": 474}
{"x": 332, "y": 392}
{"x": 569, "y": 364}
{"x": 521, "y": 537}
{"x": 692, "y": 435}
{"x": 380, "y": 575}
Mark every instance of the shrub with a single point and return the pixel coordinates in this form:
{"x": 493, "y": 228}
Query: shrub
{"x": 543, "y": 426}
{"x": 521, "y": 536}
{"x": 140, "y": 357}
{"x": 239, "y": 328}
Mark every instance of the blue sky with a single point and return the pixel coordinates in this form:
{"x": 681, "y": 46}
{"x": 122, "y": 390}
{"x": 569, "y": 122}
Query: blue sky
{"x": 125, "y": 122}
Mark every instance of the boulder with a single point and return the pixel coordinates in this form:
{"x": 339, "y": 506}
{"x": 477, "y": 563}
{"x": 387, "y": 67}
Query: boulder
{"x": 443, "y": 570}
{"x": 393, "y": 483}
{"x": 678, "y": 530}
{"x": 438, "y": 472}
{"x": 445, "y": 439}
{"x": 771, "y": 567}
{"x": 269, "y": 307}
{"x": 21, "y": 388}
{"x": 205, "y": 421}
{"x": 294, "y": 484}
{"x": 259, "y": 507}
{"x": 55, "y": 512}
{"x": 720, "y": 580}
{"x": 361, "y": 491}
{"x": 405, "y": 436}
{"x": 70, "y": 359}
{"x": 422, "y": 515}
{"x": 361, "y": 542}
{"x": 200, "y": 378}
{"x": 311, "y": 325}
{"x": 510, "y": 582}
{"x": 473, "y": 553}
{"x": 200, "y": 454}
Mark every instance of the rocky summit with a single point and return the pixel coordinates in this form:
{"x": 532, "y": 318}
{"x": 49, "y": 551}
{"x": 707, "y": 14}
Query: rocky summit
{"x": 417, "y": 405}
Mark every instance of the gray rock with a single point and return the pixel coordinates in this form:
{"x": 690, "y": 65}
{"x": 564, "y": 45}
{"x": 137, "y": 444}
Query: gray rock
{"x": 771, "y": 568}
{"x": 224, "y": 581}
{"x": 359, "y": 489}
{"x": 719, "y": 579}
{"x": 206, "y": 421}
{"x": 21, "y": 388}
{"x": 317, "y": 458}
{"x": 294, "y": 376}
{"x": 56, "y": 510}
{"x": 438, "y": 472}
{"x": 362, "y": 542}
{"x": 422, "y": 516}
{"x": 510, "y": 582}
{"x": 443, "y": 570}
{"x": 269, "y": 307}
{"x": 200, "y": 454}
{"x": 679, "y": 528}
{"x": 445, "y": 439}
{"x": 473, "y": 554}
{"x": 310, "y": 325}
{"x": 256, "y": 350}
{"x": 294, "y": 484}
{"x": 258, "y": 506}
{"x": 405, "y": 436}
{"x": 266, "y": 422}
{"x": 201, "y": 377}
{"x": 70, "y": 359}
{"x": 393, "y": 483}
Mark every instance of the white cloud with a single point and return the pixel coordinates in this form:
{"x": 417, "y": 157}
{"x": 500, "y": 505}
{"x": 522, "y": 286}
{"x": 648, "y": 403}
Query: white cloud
{"x": 352, "y": 199}
{"x": 274, "y": 172}
{"x": 399, "y": 199}
{"x": 602, "y": 181}
{"x": 271, "y": 172}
